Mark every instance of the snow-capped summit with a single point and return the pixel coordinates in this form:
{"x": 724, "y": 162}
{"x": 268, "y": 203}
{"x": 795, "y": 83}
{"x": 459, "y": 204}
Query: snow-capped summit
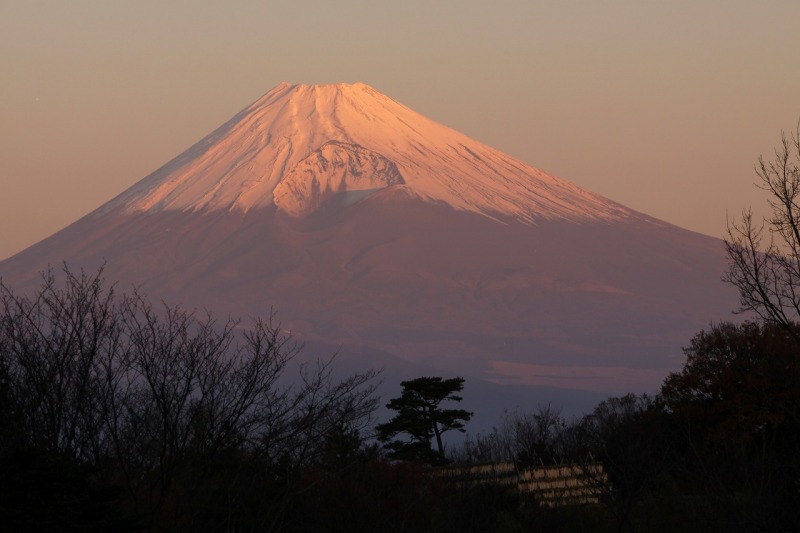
{"x": 301, "y": 145}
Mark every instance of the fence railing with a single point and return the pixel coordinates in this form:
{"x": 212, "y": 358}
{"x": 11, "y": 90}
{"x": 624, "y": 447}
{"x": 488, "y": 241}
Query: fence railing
{"x": 551, "y": 486}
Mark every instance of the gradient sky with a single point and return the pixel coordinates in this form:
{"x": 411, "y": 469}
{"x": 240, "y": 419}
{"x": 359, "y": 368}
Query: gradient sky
{"x": 663, "y": 106}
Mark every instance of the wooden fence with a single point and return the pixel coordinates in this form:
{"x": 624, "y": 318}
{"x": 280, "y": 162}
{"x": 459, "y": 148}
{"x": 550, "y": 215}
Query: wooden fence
{"x": 551, "y": 486}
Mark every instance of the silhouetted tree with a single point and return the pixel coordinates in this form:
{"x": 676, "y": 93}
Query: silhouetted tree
{"x": 627, "y": 434}
{"x": 764, "y": 258}
{"x": 421, "y": 419}
{"x": 737, "y": 402}
{"x": 528, "y": 439}
{"x": 160, "y": 400}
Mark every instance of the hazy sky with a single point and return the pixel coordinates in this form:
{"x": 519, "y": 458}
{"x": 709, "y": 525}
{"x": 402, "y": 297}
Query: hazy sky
{"x": 663, "y": 106}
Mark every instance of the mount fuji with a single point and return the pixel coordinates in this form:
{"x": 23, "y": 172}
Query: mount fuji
{"x": 402, "y": 243}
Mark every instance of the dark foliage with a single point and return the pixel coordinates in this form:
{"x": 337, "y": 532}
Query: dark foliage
{"x": 378, "y": 495}
{"x": 174, "y": 420}
{"x": 43, "y": 491}
{"x": 527, "y": 439}
{"x": 737, "y": 406}
{"x": 421, "y": 419}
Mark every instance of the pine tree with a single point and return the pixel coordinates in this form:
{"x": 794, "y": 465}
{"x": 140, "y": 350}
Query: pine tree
{"x": 421, "y": 419}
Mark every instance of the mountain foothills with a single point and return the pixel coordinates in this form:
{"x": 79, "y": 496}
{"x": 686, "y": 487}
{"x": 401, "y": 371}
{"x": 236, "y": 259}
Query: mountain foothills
{"x": 401, "y": 243}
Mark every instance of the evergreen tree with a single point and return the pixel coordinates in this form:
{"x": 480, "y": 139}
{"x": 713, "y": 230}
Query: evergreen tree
{"x": 421, "y": 419}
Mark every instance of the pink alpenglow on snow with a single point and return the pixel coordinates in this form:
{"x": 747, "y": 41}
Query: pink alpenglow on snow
{"x": 300, "y": 144}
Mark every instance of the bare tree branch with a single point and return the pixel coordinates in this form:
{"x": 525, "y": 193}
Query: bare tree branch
{"x": 764, "y": 259}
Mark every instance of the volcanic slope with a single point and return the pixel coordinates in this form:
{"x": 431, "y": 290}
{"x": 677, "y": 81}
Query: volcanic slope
{"x": 369, "y": 227}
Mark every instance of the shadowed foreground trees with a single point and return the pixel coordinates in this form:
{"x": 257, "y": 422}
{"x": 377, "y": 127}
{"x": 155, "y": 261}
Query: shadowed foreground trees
{"x": 737, "y": 406}
{"x": 716, "y": 450}
{"x": 181, "y": 412}
{"x": 527, "y": 439}
{"x": 117, "y": 416}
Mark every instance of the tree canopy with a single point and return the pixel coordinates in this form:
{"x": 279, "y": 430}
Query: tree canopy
{"x": 421, "y": 419}
{"x": 741, "y": 379}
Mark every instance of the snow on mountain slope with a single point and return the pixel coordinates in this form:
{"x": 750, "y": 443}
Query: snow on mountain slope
{"x": 276, "y": 152}
{"x": 335, "y": 168}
